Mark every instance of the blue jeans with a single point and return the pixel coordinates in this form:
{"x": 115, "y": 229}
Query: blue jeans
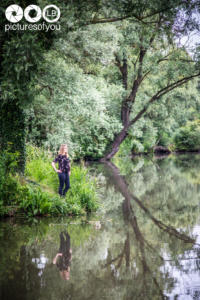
{"x": 63, "y": 180}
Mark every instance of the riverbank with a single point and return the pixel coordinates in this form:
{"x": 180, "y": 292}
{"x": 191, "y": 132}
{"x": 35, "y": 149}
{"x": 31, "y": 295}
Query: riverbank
{"x": 159, "y": 151}
{"x": 36, "y": 193}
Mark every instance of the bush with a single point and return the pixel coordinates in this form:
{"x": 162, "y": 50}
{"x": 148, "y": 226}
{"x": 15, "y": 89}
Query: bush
{"x": 130, "y": 145}
{"x": 188, "y": 136}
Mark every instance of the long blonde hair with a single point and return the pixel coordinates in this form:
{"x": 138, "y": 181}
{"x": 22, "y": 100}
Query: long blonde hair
{"x": 61, "y": 150}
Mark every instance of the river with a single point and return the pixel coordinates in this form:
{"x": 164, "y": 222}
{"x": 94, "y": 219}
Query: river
{"x": 143, "y": 242}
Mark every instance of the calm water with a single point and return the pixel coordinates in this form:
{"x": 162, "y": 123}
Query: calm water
{"x": 144, "y": 242}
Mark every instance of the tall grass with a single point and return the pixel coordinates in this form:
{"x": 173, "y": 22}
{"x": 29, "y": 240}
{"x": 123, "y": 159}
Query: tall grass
{"x": 82, "y": 193}
{"x": 37, "y": 193}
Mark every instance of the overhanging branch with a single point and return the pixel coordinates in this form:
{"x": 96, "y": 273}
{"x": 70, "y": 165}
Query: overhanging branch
{"x": 160, "y": 93}
{"x": 138, "y": 18}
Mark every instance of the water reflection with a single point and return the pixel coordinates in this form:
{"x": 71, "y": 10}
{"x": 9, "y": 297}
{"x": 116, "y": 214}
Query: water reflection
{"x": 147, "y": 247}
{"x": 148, "y": 275}
{"x": 64, "y": 256}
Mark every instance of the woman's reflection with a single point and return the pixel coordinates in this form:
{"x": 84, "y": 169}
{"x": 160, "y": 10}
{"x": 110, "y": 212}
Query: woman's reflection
{"x": 64, "y": 256}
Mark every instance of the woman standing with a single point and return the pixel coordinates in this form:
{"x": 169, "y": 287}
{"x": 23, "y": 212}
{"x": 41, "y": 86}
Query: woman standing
{"x": 63, "y": 169}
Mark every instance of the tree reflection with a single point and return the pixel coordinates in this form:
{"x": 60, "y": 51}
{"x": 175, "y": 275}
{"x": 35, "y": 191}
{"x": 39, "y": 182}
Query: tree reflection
{"x": 151, "y": 280}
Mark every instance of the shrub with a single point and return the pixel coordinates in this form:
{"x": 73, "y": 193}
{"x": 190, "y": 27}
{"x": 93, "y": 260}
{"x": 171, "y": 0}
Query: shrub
{"x": 130, "y": 145}
{"x": 188, "y": 136}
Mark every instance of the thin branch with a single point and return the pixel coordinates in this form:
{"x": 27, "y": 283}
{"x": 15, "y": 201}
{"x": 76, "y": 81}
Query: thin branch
{"x": 171, "y": 87}
{"x": 114, "y": 259}
{"x": 43, "y": 86}
{"x": 138, "y": 18}
{"x": 189, "y": 258}
{"x": 110, "y": 20}
{"x": 180, "y": 59}
{"x": 145, "y": 75}
{"x": 164, "y": 57}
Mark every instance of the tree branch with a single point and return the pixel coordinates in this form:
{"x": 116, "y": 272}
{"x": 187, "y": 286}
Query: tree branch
{"x": 138, "y": 18}
{"x": 160, "y": 93}
{"x": 110, "y": 20}
{"x": 43, "y": 86}
{"x": 180, "y": 59}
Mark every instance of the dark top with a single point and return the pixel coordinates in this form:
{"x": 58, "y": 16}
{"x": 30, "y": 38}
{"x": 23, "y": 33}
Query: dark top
{"x": 64, "y": 261}
{"x": 63, "y": 162}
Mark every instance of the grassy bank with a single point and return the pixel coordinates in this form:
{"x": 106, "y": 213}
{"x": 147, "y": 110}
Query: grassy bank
{"x": 36, "y": 192}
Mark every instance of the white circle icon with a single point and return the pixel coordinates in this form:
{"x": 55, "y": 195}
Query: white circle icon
{"x": 27, "y": 13}
{"x": 14, "y": 13}
{"x": 54, "y": 13}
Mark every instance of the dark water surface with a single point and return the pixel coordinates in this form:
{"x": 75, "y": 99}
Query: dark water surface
{"x": 143, "y": 243}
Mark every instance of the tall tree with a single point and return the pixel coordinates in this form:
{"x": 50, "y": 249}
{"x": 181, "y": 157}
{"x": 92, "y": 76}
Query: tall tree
{"x": 148, "y": 49}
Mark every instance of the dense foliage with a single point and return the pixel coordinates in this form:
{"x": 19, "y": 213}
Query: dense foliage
{"x": 20, "y": 60}
{"x": 188, "y": 136}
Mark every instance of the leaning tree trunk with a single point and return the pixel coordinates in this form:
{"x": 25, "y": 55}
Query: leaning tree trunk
{"x": 120, "y": 137}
